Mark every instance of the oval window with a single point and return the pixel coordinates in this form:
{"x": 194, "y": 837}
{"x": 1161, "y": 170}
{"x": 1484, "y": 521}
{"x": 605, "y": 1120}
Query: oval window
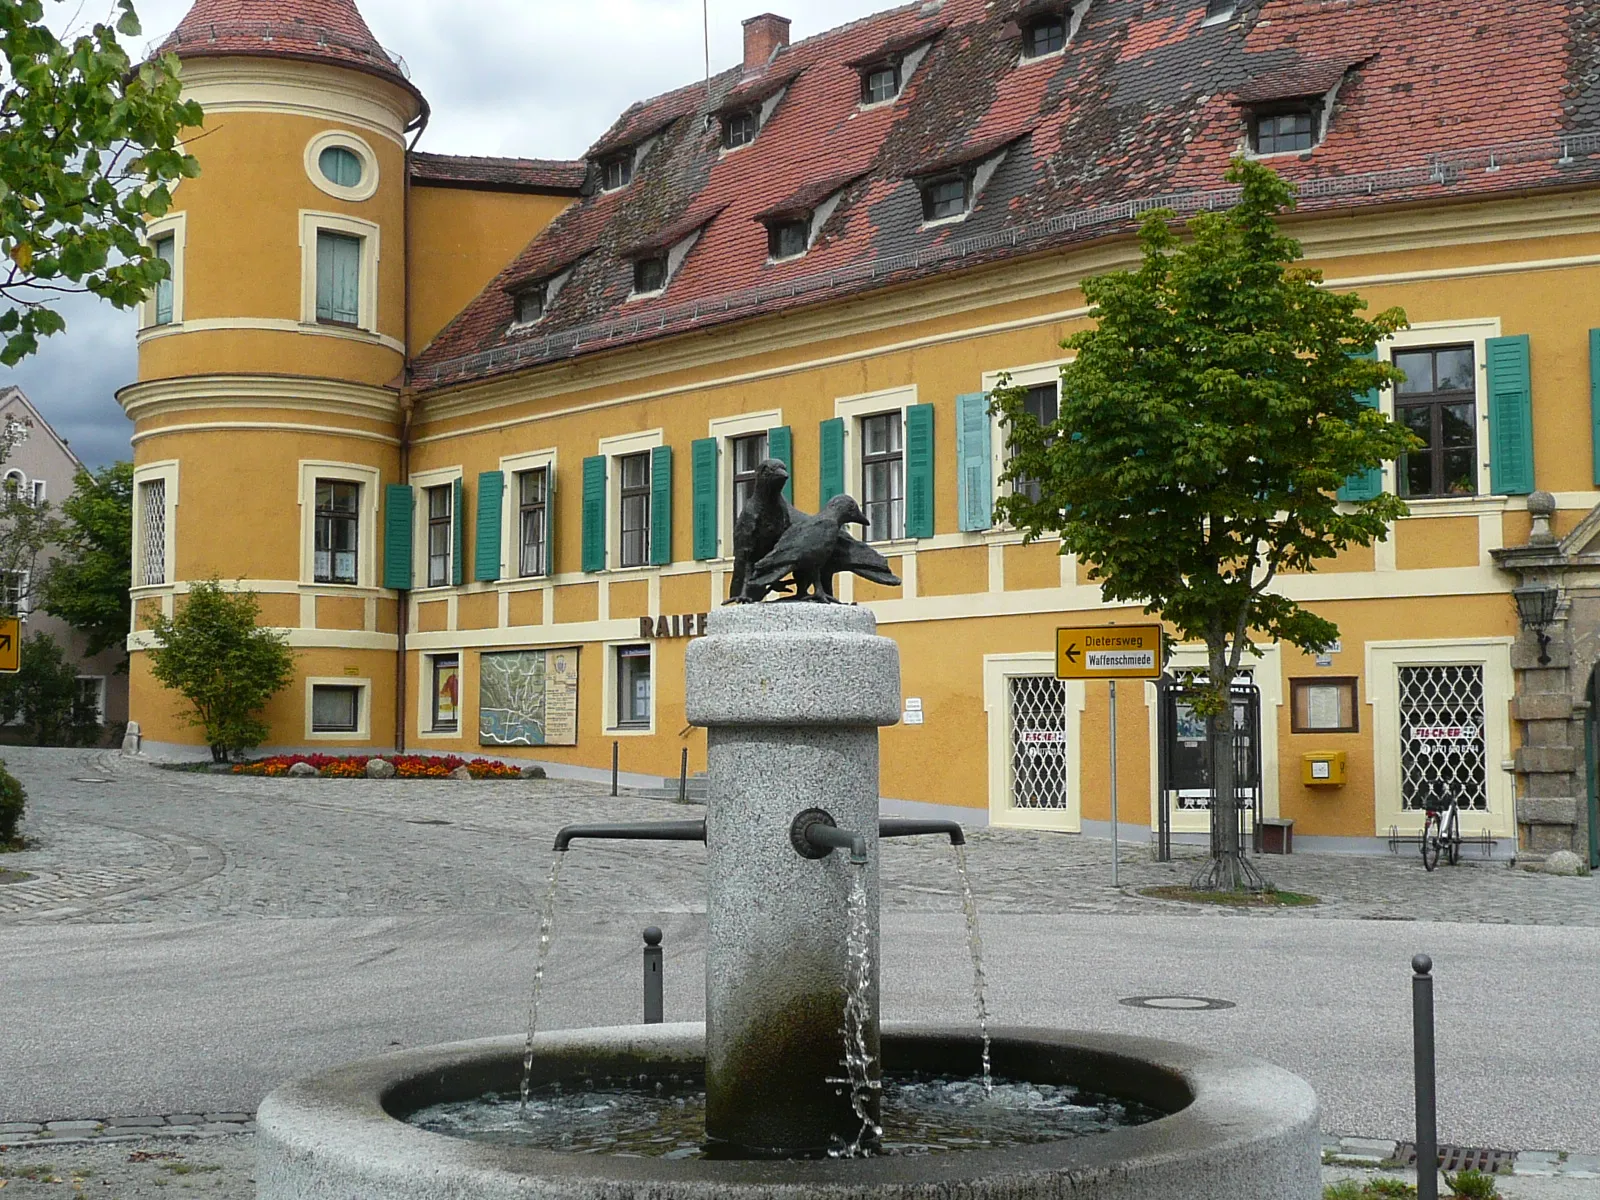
{"x": 341, "y": 166}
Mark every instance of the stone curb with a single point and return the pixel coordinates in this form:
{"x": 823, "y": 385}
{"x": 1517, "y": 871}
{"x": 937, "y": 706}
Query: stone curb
{"x": 1374, "y": 1152}
{"x": 123, "y": 1129}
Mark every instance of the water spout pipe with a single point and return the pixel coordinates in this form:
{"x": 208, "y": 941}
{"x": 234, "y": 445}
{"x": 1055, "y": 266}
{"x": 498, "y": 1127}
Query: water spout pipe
{"x": 898, "y": 827}
{"x": 825, "y": 837}
{"x": 643, "y": 831}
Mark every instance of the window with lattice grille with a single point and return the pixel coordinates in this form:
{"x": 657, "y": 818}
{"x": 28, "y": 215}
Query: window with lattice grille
{"x": 153, "y": 548}
{"x": 1442, "y": 748}
{"x": 1038, "y": 742}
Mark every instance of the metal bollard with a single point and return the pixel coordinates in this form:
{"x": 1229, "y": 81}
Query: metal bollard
{"x": 1427, "y": 1112}
{"x": 654, "y": 1002}
{"x": 683, "y": 777}
{"x": 616, "y": 758}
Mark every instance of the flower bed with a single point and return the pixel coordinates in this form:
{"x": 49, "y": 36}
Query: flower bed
{"x": 406, "y": 766}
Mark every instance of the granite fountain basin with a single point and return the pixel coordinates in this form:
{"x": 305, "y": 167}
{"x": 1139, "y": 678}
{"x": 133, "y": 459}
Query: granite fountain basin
{"x": 1238, "y": 1129}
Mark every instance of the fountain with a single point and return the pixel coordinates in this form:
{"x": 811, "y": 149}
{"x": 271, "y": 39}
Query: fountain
{"x": 791, "y": 1054}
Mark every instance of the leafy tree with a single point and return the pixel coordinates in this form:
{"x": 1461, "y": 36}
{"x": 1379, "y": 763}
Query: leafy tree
{"x": 45, "y": 696}
{"x": 88, "y": 586}
{"x": 27, "y": 529}
{"x": 214, "y": 655}
{"x": 1206, "y": 424}
{"x": 13, "y": 803}
{"x": 88, "y": 149}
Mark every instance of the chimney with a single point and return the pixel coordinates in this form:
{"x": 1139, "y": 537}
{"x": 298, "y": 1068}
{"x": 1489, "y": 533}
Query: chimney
{"x": 764, "y": 36}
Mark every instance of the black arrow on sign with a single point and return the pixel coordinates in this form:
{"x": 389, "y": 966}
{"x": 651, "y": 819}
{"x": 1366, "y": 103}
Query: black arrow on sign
{"x": 1072, "y": 655}
{"x": 5, "y": 641}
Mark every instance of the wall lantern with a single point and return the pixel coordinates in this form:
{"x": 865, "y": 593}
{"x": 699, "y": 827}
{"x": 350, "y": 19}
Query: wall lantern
{"x": 1536, "y": 609}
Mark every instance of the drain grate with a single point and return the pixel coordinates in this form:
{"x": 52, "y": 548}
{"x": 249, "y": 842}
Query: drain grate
{"x": 1459, "y": 1158}
{"x": 430, "y": 822}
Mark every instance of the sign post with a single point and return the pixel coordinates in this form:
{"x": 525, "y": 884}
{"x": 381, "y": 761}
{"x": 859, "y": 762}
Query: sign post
{"x": 1110, "y": 652}
{"x": 10, "y": 645}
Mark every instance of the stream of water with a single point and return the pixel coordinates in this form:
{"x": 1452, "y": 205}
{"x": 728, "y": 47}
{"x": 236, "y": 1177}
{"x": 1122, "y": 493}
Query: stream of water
{"x": 547, "y": 921}
{"x": 969, "y": 905}
{"x": 858, "y": 1061}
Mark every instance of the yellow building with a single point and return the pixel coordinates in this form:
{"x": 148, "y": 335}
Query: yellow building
{"x": 475, "y": 430}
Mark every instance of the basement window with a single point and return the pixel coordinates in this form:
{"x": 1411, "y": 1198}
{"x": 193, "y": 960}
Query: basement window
{"x": 946, "y": 197}
{"x": 740, "y": 129}
{"x": 788, "y": 239}
{"x": 1284, "y": 129}
{"x": 650, "y": 275}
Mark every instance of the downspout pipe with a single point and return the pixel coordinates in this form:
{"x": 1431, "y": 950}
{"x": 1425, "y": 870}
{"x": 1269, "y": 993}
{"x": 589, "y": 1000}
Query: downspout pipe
{"x": 408, "y": 406}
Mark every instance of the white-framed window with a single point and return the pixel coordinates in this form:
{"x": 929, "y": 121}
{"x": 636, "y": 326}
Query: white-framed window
{"x": 949, "y": 197}
{"x": 627, "y": 520}
{"x": 1042, "y": 382}
{"x": 436, "y": 521}
{"x": 444, "y": 700}
{"x": 339, "y": 271}
{"x": 338, "y": 709}
{"x": 168, "y": 237}
{"x": 1035, "y": 742}
{"x": 875, "y": 458}
{"x": 616, "y": 170}
{"x": 338, "y": 523}
{"x": 15, "y": 485}
{"x": 1219, "y": 11}
{"x": 36, "y": 494}
{"x": 155, "y": 510}
{"x": 92, "y": 694}
{"x": 343, "y": 165}
{"x": 15, "y": 590}
{"x": 630, "y": 688}
{"x": 738, "y": 438}
{"x": 525, "y": 519}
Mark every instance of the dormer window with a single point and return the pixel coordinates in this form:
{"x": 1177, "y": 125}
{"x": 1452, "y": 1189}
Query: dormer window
{"x": 1284, "y": 129}
{"x": 531, "y": 304}
{"x": 616, "y": 171}
{"x": 880, "y": 83}
{"x": 649, "y": 275}
{"x": 788, "y": 238}
{"x": 1218, "y": 11}
{"x": 1044, "y": 34}
{"x": 740, "y": 129}
{"x": 946, "y": 197}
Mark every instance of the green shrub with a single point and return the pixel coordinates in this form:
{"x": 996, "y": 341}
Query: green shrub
{"x": 1397, "y": 1188}
{"x": 1473, "y": 1185}
{"x": 12, "y": 801}
{"x": 45, "y": 696}
{"x": 1345, "y": 1189}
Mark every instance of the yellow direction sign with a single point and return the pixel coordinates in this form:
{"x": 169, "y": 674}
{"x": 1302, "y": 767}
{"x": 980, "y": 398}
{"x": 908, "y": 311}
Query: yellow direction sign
{"x": 10, "y": 645}
{"x": 1109, "y": 652}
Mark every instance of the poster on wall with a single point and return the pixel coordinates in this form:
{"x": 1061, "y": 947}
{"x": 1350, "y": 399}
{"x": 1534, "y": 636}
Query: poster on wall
{"x": 528, "y": 698}
{"x": 446, "y": 692}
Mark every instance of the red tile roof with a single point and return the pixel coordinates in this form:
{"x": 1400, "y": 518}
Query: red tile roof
{"x": 507, "y": 174}
{"x": 1140, "y": 111}
{"x": 331, "y": 31}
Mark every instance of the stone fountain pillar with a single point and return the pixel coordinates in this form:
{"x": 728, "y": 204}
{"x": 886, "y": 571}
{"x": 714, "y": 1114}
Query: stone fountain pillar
{"x": 792, "y": 696}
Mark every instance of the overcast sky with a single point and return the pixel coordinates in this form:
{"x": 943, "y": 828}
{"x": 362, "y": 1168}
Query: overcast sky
{"x": 541, "y": 78}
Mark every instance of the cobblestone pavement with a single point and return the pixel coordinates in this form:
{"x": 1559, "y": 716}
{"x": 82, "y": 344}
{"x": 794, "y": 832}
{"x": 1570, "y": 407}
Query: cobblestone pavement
{"x": 119, "y": 840}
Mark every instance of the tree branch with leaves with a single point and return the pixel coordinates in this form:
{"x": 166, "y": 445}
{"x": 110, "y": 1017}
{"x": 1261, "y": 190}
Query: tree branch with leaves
{"x": 1207, "y": 424}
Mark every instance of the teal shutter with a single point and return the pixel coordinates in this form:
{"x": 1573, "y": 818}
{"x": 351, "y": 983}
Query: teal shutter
{"x": 551, "y": 529}
{"x": 338, "y": 278}
{"x": 703, "y": 465}
{"x": 780, "y": 445}
{"x": 486, "y": 550}
{"x": 399, "y": 516}
{"x": 1364, "y": 485}
{"x": 919, "y": 471}
{"x": 974, "y": 462}
{"x": 1594, "y": 398}
{"x": 1510, "y": 417}
{"x": 661, "y": 506}
{"x": 458, "y": 533}
{"x": 594, "y": 513}
{"x": 831, "y": 460}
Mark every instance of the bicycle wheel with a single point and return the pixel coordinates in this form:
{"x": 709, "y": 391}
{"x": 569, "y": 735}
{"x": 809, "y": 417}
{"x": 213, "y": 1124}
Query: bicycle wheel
{"x": 1430, "y": 842}
{"x": 1452, "y": 837}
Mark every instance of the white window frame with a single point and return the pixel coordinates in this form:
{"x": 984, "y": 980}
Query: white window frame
{"x": 425, "y": 729}
{"x": 420, "y": 482}
{"x": 725, "y": 430}
{"x": 369, "y": 478}
{"x": 100, "y": 695}
{"x": 1029, "y": 376}
{"x": 18, "y": 477}
{"x": 343, "y": 139}
{"x": 166, "y": 472}
{"x": 176, "y": 226}
{"x": 873, "y": 404}
{"x": 613, "y": 728}
{"x": 313, "y": 223}
{"x": 998, "y": 671}
{"x": 977, "y": 181}
{"x": 511, "y": 515}
{"x": 37, "y": 492}
{"x": 1383, "y": 663}
{"x": 24, "y": 591}
{"x": 614, "y": 448}
{"x": 363, "y": 730}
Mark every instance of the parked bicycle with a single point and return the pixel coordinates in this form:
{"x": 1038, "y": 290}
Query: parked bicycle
{"x": 1441, "y": 831}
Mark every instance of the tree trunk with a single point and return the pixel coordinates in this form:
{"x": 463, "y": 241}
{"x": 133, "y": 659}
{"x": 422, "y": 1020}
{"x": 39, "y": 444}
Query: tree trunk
{"x": 1227, "y": 870}
{"x": 219, "y": 754}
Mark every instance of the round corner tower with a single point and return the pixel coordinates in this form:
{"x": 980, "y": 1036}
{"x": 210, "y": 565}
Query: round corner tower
{"x": 268, "y": 402}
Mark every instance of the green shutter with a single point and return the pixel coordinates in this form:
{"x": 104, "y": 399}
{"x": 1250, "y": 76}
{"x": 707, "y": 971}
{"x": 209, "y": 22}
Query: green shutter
{"x": 486, "y": 550}
{"x": 551, "y": 529}
{"x": 338, "y": 278}
{"x": 458, "y": 533}
{"x": 974, "y": 462}
{"x": 831, "y": 460}
{"x": 919, "y": 471}
{"x": 1594, "y": 398}
{"x": 1364, "y": 485}
{"x": 661, "y": 506}
{"x": 1510, "y": 417}
{"x": 399, "y": 515}
{"x": 594, "y": 513}
{"x": 703, "y": 464}
{"x": 780, "y": 445}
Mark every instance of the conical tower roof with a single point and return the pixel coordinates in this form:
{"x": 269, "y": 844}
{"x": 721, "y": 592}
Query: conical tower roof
{"x": 327, "y": 31}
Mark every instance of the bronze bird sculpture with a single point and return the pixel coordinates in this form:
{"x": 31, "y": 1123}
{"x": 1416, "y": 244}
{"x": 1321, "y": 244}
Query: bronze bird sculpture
{"x": 763, "y": 520}
{"x": 813, "y": 549}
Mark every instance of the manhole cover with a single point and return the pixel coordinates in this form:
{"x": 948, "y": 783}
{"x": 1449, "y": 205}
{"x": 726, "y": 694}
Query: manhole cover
{"x": 86, "y": 779}
{"x": 1177, "y": 1003}
{"x": 431, "y": 822}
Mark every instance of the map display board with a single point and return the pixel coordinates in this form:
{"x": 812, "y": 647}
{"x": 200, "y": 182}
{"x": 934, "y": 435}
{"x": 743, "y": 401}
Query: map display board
{"x": 528, "y": 698}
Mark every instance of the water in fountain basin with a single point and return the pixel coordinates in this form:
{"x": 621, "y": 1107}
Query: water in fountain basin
{"x": 858, "y": 1060}
{"x": 547, "y": 921}
{"x": 969, "y": 905}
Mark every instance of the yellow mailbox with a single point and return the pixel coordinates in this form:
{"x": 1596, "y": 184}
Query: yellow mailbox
{"x": 1324, "y": 768}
